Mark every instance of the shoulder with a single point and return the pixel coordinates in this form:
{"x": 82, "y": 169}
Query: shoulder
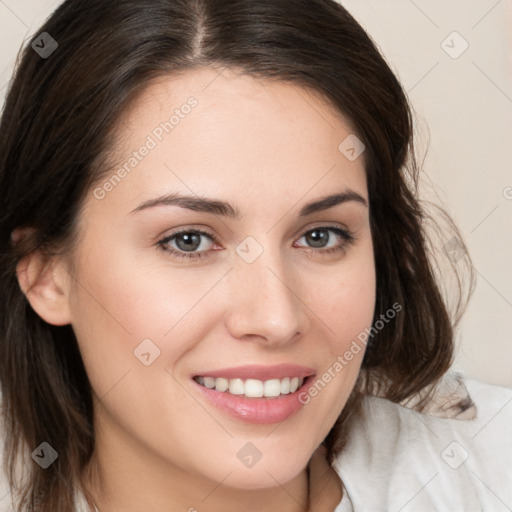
{"x": 399, "y": 459}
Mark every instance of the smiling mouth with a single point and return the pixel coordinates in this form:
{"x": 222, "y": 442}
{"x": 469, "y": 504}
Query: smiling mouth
{"x": 252, "y": 388}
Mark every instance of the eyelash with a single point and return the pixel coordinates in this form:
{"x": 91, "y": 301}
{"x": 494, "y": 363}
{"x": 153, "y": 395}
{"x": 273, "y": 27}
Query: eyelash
{"x": 348, "y": 237}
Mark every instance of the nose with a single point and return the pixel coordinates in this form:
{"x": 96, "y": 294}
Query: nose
{"x": 266, "y": 305}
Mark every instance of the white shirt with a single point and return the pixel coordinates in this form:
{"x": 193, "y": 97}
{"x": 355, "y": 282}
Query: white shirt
{"x": 399, "y": 460}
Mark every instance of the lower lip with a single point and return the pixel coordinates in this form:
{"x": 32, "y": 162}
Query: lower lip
{"x": 256, "y": 410}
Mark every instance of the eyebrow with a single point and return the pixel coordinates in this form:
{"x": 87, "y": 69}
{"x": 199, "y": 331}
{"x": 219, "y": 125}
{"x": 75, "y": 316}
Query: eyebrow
{"x": 225, "y": 209}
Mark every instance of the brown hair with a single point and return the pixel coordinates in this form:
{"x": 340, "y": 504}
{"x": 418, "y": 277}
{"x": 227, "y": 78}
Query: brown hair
{"x": 55, "y": 132}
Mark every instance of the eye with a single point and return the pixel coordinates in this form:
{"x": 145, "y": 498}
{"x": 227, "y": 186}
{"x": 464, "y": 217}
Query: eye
{"x": 186, "y": 242}
{"x": 190, "y": 243}
{"x": 320, "y": 238}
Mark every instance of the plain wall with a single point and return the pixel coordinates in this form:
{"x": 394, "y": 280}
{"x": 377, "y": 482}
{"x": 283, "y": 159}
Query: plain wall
{"x": 463, "y": 105}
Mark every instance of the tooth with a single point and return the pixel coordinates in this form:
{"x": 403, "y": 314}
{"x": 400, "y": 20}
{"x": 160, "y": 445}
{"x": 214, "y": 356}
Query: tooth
{"x": 285, "y": 386}
{"x": 236, "y": 387}
{"x": 221, "y": 384}
{"x": 209, "y": 382}
{"x": 272, "y": 387}
{"x": 253, "y": 388}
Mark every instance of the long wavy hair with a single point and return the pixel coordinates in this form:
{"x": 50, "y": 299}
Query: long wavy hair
{"x": 55, "y": 133}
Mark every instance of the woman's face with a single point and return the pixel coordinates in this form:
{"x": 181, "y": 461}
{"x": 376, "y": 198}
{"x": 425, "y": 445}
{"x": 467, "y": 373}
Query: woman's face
{"x": 258, "y": 287}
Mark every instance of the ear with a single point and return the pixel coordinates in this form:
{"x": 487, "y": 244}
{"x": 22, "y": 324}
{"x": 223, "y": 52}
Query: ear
{"x": 45, "y": 282}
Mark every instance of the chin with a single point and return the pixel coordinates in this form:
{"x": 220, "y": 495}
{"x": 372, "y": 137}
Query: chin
{"x": 258, "y": 465}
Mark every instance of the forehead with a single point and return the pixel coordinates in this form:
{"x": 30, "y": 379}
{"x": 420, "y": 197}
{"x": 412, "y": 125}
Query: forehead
{"x": 222, "y": 132}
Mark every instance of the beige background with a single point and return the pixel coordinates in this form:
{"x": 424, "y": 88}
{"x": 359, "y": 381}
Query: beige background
{"x": 463, "y": 104}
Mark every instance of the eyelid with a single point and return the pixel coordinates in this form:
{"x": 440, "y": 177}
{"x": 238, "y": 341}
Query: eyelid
{"x": 199, "y": 228}
{"x": 348, "y": 236}
{"x": 188, "y": 229}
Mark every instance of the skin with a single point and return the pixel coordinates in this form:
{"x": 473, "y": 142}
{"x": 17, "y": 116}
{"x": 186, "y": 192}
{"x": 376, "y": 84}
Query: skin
{"x": 268, "y": 148}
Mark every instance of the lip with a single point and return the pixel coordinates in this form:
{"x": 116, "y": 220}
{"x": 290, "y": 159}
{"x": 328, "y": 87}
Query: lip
{"x": 260, "y": 372}
{"x": 258, "y": 410}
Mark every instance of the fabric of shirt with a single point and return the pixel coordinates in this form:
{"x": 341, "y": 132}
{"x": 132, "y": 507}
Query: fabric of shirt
{"x": 400, "y": 460}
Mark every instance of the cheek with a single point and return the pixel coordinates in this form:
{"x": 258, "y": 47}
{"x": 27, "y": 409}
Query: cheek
{"x": 126, "y": 307}
{"x": 115, "y": 307}
{"x": 344, "y": 299}
{"x": 136, "y": 301}
{"x": 345, "y": 306}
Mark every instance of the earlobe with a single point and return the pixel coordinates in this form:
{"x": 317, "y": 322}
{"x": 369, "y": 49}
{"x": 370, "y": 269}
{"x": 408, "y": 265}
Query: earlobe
{"x": 43, "y": 281}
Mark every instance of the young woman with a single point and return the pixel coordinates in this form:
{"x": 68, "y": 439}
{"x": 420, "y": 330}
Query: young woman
{"x": 215, "y": 273}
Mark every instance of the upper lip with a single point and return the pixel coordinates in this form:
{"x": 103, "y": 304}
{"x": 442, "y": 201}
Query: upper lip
{"x": 260, "y": 372}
